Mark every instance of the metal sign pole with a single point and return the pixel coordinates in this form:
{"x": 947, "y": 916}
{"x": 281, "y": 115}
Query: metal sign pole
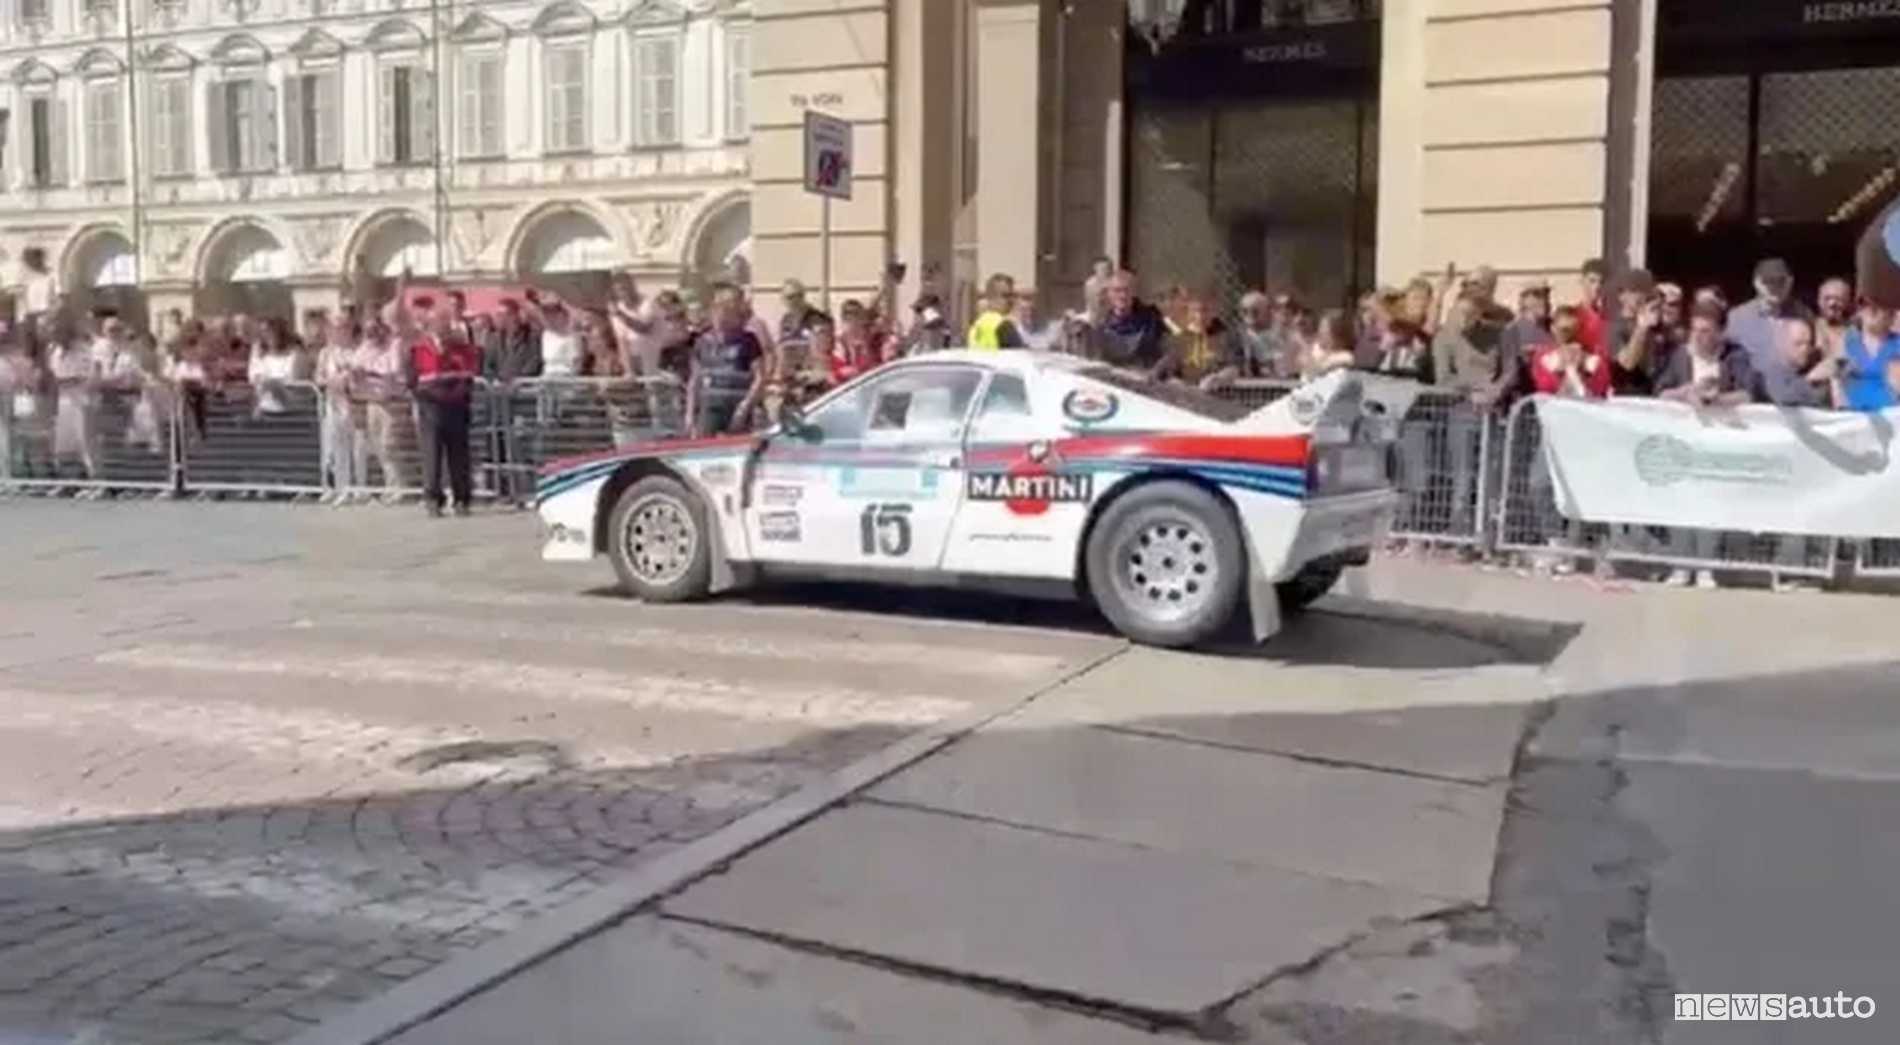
{"x": 824, "y": 253}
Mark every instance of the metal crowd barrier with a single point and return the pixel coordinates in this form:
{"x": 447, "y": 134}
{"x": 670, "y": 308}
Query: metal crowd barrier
{"x": 546, "y": 419}
{"x": 1468, "y": 477}
{"x": 1443, "y": 454}
{"x": 1528, "y": 522}
{"x": 105, "y": 438}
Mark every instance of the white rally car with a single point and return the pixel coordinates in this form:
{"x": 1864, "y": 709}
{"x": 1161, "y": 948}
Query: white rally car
{"x": 1163, "y": 506}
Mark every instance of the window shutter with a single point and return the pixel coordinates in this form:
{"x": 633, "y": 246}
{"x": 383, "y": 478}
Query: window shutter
{"x": 468, "y": 112}
{"x": 555, "y": 66}
{"x": 329, "y": 107}
{"x": 57, "y": 143}
{"x": 421, "y": 115}
{"x": 386, "y": 114}
{"x": 158, "y": 134}
{"x": 180, "y": 123}
{"x": 218, "y": 126}
{"x": 295, "y": 88}
{"x": 265, "y": 116}
{"x": 669, "y": 92}
{"x": 494, "y": 110}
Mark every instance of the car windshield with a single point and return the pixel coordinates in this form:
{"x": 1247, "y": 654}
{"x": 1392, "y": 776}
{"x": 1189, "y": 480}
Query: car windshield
{"x": 1181, "y": 397}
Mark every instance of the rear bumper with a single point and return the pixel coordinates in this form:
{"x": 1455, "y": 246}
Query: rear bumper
{"x": 1337, "y": 527}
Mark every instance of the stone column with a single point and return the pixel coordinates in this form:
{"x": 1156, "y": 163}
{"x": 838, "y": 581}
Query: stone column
{"x": 1495, "y": 135}
{"x": 834, "y": 59}
{"x": 1009, "y": 138}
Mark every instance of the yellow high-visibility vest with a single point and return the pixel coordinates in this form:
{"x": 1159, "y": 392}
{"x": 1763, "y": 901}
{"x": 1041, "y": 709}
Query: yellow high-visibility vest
{"x": 986, "y": 332}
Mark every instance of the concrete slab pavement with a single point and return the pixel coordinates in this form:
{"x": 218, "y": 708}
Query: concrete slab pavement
{"x": 1402, "y": 832}
{"x": 1121, "y": 926}
{"x": 659, "y": 981}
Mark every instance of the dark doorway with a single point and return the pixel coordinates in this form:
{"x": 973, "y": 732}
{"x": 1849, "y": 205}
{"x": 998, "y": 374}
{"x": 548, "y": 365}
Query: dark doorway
{"x": 1774, "y": 135}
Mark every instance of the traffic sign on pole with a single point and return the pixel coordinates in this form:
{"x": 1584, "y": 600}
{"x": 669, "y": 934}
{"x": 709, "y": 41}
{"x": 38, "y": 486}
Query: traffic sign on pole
{"x": 827, "y": 156}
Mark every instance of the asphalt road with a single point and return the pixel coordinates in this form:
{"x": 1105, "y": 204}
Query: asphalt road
{"x": 258, "y": 762}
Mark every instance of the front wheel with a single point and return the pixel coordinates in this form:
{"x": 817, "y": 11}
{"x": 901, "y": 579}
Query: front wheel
{"x": 1306, "y": 587}
{"x": 659, "y": 541}
{"x": 1166, "y": 565}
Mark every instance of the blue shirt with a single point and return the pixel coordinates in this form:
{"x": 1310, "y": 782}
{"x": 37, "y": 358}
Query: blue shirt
{"x": 1864, "y": 381}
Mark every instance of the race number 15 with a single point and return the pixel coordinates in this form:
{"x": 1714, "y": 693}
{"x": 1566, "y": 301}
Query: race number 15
{"x": 884, "y": 529}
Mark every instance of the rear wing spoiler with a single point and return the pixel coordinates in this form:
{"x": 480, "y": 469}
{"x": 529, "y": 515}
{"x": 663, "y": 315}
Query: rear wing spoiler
{"x": 1342, "y": 406}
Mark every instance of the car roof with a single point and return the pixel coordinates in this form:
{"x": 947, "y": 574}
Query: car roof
{"x": 1017, "y": 361}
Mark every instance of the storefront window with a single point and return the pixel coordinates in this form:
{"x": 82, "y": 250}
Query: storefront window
{"x": 1252, "y": 155}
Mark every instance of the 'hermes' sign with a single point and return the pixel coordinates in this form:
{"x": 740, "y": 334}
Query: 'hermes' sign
{"x": 1305, "y": 51}
{"x": 1850, "y": 11}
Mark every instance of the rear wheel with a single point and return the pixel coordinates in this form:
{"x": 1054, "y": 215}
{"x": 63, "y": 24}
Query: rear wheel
{"x": 1306, "y": 587}
{"x": 1166, "y": 566}
{"x": 659, "y": 542}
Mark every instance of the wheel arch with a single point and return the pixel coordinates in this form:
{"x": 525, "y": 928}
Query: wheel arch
{"x": 648, "y": 467}
{"x": 1135, "y": 482}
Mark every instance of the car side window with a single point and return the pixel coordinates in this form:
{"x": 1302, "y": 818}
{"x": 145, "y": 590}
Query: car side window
{"x": 1005, "y": 416}
{"x": 909, "y": 406}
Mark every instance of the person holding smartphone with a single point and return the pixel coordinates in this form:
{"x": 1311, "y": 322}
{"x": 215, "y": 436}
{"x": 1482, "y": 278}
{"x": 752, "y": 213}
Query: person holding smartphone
{"x": 1714, "y": 372}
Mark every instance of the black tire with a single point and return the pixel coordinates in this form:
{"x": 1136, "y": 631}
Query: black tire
{"x": 1166, "y": 565}
{"x": 673, "y": 566}
{"x": 1306, "y": 587}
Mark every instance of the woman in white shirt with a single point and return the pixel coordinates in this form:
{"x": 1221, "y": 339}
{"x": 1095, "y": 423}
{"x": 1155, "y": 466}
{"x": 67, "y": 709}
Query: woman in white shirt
{"x": 338, "y": 443}
{"x": 376, "y": 384}
{"x": 76, "y": 374}
{"x": 561, "y": 350}
{"x": 273, "y": 364}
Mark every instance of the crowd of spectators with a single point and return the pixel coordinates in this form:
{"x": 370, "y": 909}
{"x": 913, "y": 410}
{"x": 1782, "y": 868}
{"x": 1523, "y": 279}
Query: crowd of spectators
{"x": 1631, "y": 336}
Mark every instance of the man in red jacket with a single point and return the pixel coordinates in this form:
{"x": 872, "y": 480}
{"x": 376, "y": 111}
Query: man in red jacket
{"x": 440, "y": 366}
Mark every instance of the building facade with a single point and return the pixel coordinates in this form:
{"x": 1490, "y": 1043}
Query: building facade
{"x": 276, "y": 153}
{"x": 1317, "y": 146}
{"x": 1325, "y": 147}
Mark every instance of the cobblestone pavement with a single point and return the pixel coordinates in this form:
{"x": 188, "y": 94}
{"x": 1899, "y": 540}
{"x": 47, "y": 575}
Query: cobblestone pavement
{"x": 259, "y": 762}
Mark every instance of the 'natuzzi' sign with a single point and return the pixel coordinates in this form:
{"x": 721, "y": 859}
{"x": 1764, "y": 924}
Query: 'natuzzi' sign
{"x": 1336, "y": 55}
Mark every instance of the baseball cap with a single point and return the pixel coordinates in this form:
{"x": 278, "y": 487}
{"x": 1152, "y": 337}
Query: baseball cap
{"x": 1773, "y": 271}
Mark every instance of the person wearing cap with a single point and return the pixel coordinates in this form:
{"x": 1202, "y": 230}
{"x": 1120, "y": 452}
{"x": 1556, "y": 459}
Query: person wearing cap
{"x": 929, "y": 330}
{"x": 1640, "y": 343}
{"x": 1755, "y": 324}
{"x": 795, "y": 323}
{"x": 1521, "y": 338}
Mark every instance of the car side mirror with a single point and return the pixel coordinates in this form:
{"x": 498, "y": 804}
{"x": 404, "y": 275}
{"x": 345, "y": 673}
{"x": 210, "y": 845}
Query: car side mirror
{"x": 791, "y": 421}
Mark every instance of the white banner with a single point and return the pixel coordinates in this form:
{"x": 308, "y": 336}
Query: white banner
{"x": 1756, "y": 469}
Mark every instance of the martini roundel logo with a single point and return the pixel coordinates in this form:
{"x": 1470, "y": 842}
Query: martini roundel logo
{"x": 1029, "y": 488}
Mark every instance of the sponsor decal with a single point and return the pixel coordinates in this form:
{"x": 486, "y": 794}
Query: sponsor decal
{"x": 778, "y": 496}
{"x": 1031, "y": 490}
{"x": 781, "y": 527}
{"x": 720, "y": 474}
{"x": 1090, "y": 406}
{"x": 1664, "y": 460}
{"x": 908, "y": 484}
{"x": 559, "y": 534}
{"x": 1305, "y": 407}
